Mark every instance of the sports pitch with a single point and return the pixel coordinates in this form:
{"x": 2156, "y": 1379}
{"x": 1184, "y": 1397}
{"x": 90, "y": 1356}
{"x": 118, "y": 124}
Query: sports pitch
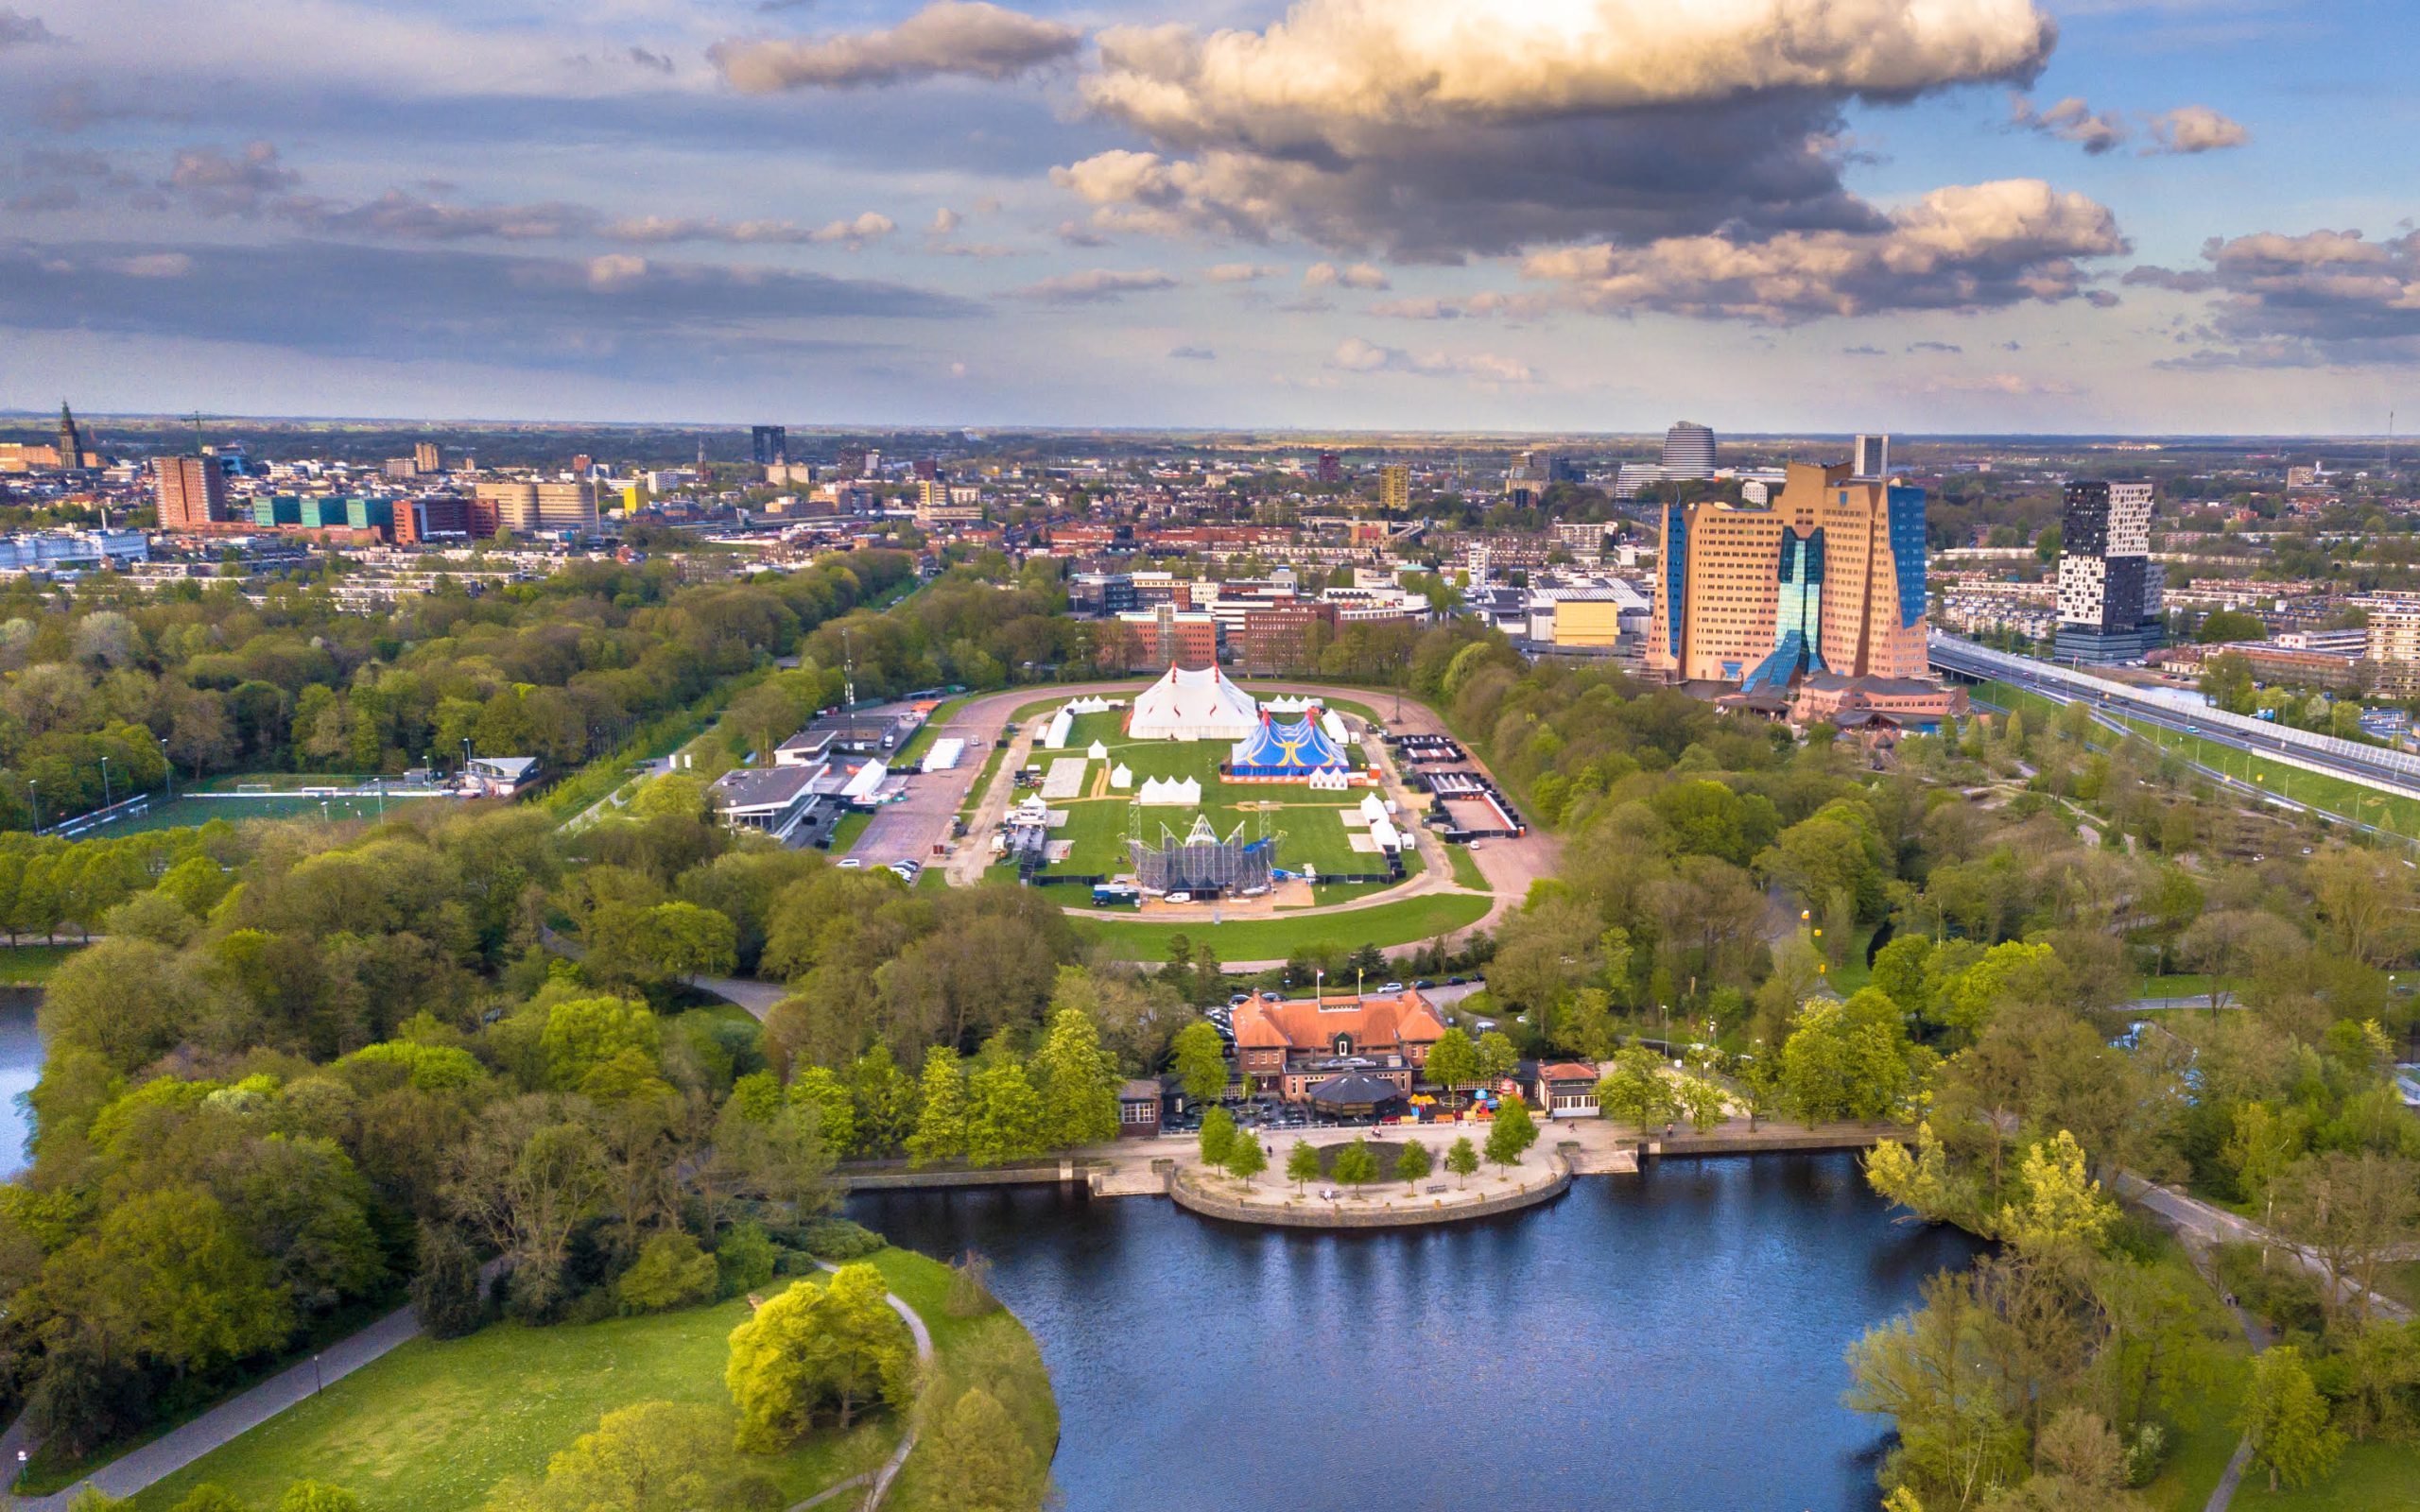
{"x": 1311, "y": 824}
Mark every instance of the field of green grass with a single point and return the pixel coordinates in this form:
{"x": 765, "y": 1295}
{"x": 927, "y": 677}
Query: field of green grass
{"x": 185, "y": 813}
{"x": 852, "y": 825}
{"x": 31, "y": 964}
{"x": 1466, "y": 868}
{"x": 1267, "y": 940}
{"x": 1315, "y": 835}
{"x": 436, "y": 1425}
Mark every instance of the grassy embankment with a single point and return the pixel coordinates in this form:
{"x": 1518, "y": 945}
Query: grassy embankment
{"x": 436, "y": 1425}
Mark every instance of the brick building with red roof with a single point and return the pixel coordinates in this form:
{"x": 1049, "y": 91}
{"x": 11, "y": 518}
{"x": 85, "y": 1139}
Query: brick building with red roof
{"x": 1290, "y": 1045}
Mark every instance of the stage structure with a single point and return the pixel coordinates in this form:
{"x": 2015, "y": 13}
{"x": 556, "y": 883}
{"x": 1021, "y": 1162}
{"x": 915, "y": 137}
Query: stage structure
{"x": 1201, "y": 863}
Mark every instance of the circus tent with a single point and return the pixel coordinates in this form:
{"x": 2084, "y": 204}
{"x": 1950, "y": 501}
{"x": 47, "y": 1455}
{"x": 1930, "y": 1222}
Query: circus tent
{"x": 1193, "y": 705}
{"x": 1297, "y": 748}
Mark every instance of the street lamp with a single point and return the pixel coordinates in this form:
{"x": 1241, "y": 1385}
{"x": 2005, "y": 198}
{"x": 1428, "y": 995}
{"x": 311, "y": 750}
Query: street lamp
{"x": 33, "y": 786}
{"x": 105, "y": 782}
{"x": 168, "y": 766}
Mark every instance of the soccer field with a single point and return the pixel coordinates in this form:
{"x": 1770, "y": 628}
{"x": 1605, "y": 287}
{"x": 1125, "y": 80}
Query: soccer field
{"x": 1312, "y": 825}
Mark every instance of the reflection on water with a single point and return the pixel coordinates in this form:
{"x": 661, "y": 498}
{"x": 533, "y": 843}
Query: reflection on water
{"x": 20, "y": 1068}
{"x": 1665, "y": 1343}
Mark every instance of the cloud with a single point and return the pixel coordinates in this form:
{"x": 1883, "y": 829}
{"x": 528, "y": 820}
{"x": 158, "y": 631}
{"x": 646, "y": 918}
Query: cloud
{"x": 2072, "y": 120}
{"x": 1434, "y": 130}
{"x": 2190, "y": 129}
{"x": 1354, "y": 354}
{"x": 1194, "y": 353}
{"x": 1240, "y": 272}
{"x": 1935, "y": 346}
{"x": 946, "y": 220}
{"x": 1097, "y": 286}
{"x": 1863, "y": 352}
{"x": 2322, "y": 298}
{"x": 2008, "y": 385}
{"x": 963, "y": 37}
{"x": 220, "y": 184}
{"x": 447, "y": 304}
{"x": 1358, "y": 276}
{"x": 656, "y": 61}
{"x": 870, "y": 226}
{"x": 1965, "y": 247}
{"x": 17, "y": 30}
{"x": 1076, "y": 234}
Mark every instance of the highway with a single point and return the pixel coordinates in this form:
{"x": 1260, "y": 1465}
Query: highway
{"x": 2385, "y": 770}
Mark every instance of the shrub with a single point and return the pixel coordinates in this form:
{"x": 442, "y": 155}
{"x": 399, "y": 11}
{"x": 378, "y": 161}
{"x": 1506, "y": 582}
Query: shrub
{"x": 448, "y": 1291}
{"x": 970, "y": 1287}
{"x": 747, "y": 1257}
{"x": 840, "y": 1241}
{"x": 671, "y": 1271}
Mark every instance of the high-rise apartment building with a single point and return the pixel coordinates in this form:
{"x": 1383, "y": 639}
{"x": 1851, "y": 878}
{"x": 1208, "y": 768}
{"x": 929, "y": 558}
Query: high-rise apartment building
{"x": 769, "y": 445}
{"x": 193, "y": 492}
{"x": 428, "y": 457}
{"x": 2109, "y": 607}
{"x": 537, "y": 508}
{"x": 1394, "y": 488}
{"x": 1829, "y": 577}
{"x": 1688, "y": 451}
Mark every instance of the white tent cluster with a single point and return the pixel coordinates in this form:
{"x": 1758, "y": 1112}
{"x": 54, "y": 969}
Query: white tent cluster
{"x": 1170, "y": 793}
{"x": 1056, "y": 736}
{"x": 1090, "y": 705}
{"x": 1331, "y": 779}
{"x": 1193, "y": 705}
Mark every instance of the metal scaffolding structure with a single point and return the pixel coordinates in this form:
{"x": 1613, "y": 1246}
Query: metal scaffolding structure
{"x": 1200, "y": 862}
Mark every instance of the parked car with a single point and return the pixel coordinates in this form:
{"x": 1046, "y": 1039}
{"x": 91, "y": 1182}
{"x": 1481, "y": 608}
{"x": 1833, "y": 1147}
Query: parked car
{"x": 1238, "y": 1000}
{"x": 1392, "y": 987}
{"x": 1456, "y": 981}
{"x": 1424, "y": 984}
{"x": 850, "y": 864}
{"x": 1179, "y": 898}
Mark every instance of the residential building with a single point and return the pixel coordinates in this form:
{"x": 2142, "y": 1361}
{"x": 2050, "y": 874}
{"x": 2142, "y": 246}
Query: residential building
{"x": 1394, "y": 488}
{"x": 2109, "y": 603}
{"x": 1829, "y": 577}
{"x": 428, "y": 458}
{"x": 2394, "y": 635}
{"x": 1688, "y": 451}
{"x": 193, "y": 492}
{"x": 540, "y": 508}
{"x": 1291, "y": 1046}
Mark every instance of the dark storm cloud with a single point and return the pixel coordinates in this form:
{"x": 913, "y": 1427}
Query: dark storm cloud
{"x": 444, "y": 304}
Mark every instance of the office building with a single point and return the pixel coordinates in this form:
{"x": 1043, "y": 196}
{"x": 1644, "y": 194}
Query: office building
{"x": 419, "y": 520}
{"x": 1394, "y": 488}
{"x": 193, "y": 492}
{"x": 1873, "y": 457}
{"x": 2109, "y": 607}
{"x": 1829, "y": 577}
{"x": 538, "y": 509}
{"x": 1688, "y": 451}
{"x": 769, "y": 445}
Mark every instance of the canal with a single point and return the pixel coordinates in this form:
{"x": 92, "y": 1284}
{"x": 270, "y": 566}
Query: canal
{"x": 1669, "y": 1342}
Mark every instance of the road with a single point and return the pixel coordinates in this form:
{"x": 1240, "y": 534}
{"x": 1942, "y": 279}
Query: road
{"x": 2202, "y": 1223}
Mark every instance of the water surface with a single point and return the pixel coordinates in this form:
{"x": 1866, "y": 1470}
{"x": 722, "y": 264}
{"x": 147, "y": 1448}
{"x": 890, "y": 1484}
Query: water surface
{"x": 20, "y": 1068}
{"x": 1669, "y": 1342}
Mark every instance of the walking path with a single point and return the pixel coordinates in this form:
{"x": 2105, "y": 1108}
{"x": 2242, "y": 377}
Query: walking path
{"x": 890, "y": 1471}
{"x": 2200, "y": 1222}
{"x": 756, "y": 997}
{"x": 181, "y": 1446}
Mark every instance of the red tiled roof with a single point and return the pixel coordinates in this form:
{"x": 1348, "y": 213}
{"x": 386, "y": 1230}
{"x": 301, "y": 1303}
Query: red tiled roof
{"x": 1306, "y": 1024}
{"x": 1569, "y": 1070}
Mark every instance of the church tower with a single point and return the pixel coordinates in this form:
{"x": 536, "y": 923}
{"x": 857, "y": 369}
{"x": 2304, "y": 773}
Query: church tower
{"x": 71, "y": 442}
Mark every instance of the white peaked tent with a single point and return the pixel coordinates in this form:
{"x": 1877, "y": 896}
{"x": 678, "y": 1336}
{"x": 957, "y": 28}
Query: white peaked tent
{"x": 1170, "y": 794}
{"x": 1097, "y": 752}
{"x": 1201, "y": 705}
{"x": 1331, "y": 779}
{"x": 1056, "y": 736}
{"x": 1373, "y": 808}
{"x": 1122, "y": 776}
{"x": 1087, "y": 706}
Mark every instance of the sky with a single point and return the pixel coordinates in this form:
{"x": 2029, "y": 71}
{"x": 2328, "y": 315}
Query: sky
{"x": 1919, "y": 216}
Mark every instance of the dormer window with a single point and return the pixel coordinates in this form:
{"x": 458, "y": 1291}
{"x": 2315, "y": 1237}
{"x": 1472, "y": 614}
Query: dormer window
{"x": 1344, "y": 1044}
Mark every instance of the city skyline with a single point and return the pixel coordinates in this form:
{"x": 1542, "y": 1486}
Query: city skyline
{"x": 1977, "y": 216}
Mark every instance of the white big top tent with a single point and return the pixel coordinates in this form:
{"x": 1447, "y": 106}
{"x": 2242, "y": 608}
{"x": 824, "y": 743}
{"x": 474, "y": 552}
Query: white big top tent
{"x": 1198, "y": 705}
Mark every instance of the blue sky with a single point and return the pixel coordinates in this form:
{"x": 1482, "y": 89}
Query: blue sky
{"x": 1772, "y": 214}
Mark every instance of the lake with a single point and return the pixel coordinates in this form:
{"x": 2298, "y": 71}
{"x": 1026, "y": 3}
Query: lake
{"x": 20, "y": 1068}
{"x": 1668, "y": 1342}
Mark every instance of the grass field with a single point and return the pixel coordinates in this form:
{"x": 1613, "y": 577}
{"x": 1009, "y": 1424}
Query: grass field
{"x": 30, "y": 965}
{"x": 1267, "y": 940}
{"x": 852, "y": 825}
{"x": 435, "y": 1425}
{"x": 993, "y": 1352}
{"x": 1315, "y": 835}
{"x": 1466, "y": 867}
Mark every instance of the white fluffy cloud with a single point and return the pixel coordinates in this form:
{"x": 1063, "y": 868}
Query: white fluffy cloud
{"x": 2195, "y": 129}
{"x": 1434, "y": 128}
{"x": 1963, "y": 248}
{"x": 2072, "y": 120}
{"x": 856, "y": 232}
{"x": 2323, "y": 297}
{"x": 1354, "y": 354}
{"x": 1240, "y": 272}
{"x": 1097, "y": 286}
{"x": 966, "y": 37}
{"x": 1358, "y": 276}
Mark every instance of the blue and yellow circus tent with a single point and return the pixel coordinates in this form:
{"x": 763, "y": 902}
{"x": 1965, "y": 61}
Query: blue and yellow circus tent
{"x": 1294, "y": 749}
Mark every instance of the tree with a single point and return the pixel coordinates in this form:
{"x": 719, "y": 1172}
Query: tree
{"x": 2062, "y": 1208}
{"x": 1078, "y": 1083}
{"x": 1245, "y": 1157}
{"x": 318, "y": 1495}
{"x": 1635, "y": 1088}
{"x": 447, "y": 1290}
{"x": 1497, "y": 1057}
{"x": 2350, "y": 1212}
{"x": 1201, "y": 1062}
{"x": 1302, "y": 1164}
{"x": 1003, "y": 1114}
{"x": 1412, "y": 1162}
{"x": 941, "y": 1126}
{"x": 1461, "y": 1158}
{"x": 1918, "y": 1182}
{"x": 207, "y": 1496}
{"x": 527, "y": 1183}
{"x": 820, "y": 1089}
{"x": 1453, "y": 1062}
{"x": 1512, "y": 1134}
{"x": 1701, "y": 1102}
{"x": 2222, "y": 625}
{"x": 1356, "y": 1166}
{"x": 1845, "y": 1060}
{"x": 2286, "y": 1421}
{"x": 167, "y": 1274}
{"x": 838, "y": 1345}
{"x": 671, "y": 1271}
{"x": 1217, "y": 1136}
{"x": 976, "y": 1460}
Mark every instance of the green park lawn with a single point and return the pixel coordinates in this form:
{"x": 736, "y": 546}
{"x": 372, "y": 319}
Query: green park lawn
{"x": 1267, "y": 940}
{"x": 1466, "y": 868}
{"x": 434, "y": 1426}
{"x": 853, "y": 824}
{"x": 993, "y": 1352}
{"x": 31, "y": 964}
{"x": 2372, "y": 1477}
